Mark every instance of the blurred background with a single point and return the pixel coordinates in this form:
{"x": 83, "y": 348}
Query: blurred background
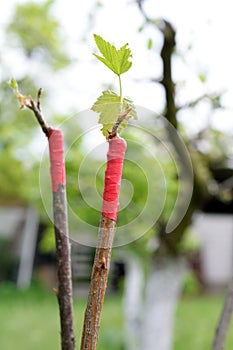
{"x": 164, "y": 291}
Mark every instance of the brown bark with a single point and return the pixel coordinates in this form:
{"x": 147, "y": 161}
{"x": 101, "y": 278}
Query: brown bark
{"x": 64, "y": 292}
{"x": 224, "y": 321}
{"x": 200, "y": 191}
{"x": 98, "y": 284}
{"x": 101, "y": 265}
{"x": 170, "y": 242}
{"x": 168, "y": 48}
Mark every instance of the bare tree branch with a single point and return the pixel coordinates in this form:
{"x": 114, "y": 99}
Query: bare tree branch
{"x": 224, "y": 321}
{"x": 193, "y": 103}
{"x": 64, "y": 292}
{"x": 120, "y": 119}
{"x": 36, "y": 108}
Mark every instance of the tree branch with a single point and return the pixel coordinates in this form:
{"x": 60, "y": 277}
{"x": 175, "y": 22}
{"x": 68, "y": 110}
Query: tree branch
{"x": 64, "y": 292}
{"x": 110, "y": 207}
{"x": 193, "y": 103}
{"x": 36, "y": 108}
{"x": 120, "y": 119}
{"x": 98, "y": 284}
{"x": 224, "y": 321}
{"x": 168, "y": 48}
{"x": 170, "y": 242}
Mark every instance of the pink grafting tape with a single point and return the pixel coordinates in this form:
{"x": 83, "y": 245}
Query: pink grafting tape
{"x": 56, "y": 152}
{"x": 113, "y": 173}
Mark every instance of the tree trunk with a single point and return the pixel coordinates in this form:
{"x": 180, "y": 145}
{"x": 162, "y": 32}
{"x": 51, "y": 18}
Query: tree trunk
{"x": 161, "y": 298}
{"x": 133, "y": 301}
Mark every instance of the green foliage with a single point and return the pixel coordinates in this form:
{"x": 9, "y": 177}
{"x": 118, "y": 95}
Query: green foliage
{"x": 203, "y": 312}
{"x": 21, "y": 98}
{"x": 34, "y": 29}
{"x": 47, "y": 243}
{"x": 119, "y": 61}
{"x": 191, "y": 286}
{"x": 13, "y": 84}
{"x": 190, "y": 243}
{"x": 36, "y": 309}
{"x": 149, "y": 44}
{"x": 11, "y": 179}
{"x": 18, "y": 130}
{"x": 38, "y": 33}
{"x": 202, "y": 77}
{"x": 109, "y": 106}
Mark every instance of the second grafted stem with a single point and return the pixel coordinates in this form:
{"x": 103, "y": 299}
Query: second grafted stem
{"x": 98, "y": 284}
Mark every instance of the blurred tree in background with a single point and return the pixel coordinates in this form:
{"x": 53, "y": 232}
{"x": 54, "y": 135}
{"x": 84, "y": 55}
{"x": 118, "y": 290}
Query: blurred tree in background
{"x": 38, "y": 34}
{"x": 35, "y": 39}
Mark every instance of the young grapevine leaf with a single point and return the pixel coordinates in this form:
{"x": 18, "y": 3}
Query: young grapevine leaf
{"x": 127, "y": 102}
{"x": 13, "y": 84}
{"x": 119, "y": 61}
{"x": 21, "y": 98}
{"x": 109, "y": 106}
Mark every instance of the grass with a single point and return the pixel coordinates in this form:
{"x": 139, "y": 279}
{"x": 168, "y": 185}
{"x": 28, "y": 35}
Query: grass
{"x": 29, "y": 320}
{"x": 196, "y": 320}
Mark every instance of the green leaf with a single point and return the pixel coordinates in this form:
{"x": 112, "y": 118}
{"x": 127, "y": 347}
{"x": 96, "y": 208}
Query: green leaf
{"x": 141, "y": 28}
{"x": 127, "y": 102}
{"x": 202, "y": 77}
{"x": 109, "y": 106}
{"x": 13, "y": 84}
{"x": 149, "y": 44}
{"x": 119, "y": 61}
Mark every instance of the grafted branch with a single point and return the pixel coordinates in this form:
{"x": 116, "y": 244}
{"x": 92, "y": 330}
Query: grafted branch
{"x": 110, "y": 206}
{"x": 98, "y": 284}
{"x": 36, "y": 108}
{"x": 64, "y": 291}
{"x": 120, "y": 119}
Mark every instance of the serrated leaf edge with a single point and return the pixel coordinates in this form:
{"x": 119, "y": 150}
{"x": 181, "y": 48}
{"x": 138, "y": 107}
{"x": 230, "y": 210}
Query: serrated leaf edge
{"x": 122, "y": 63}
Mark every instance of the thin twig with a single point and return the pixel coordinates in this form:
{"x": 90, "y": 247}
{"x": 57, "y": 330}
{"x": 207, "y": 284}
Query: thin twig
{"x": 196, "y": 101}
{"x": 39, "y": 99}
{"x": 224, "y": 321}
{"x": 140, "y": 4}
{"x": 36, "y": 108}
{"x": 120, "y": 119}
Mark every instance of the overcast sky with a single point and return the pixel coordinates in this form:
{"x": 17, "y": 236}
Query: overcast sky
{"x": 204, "y": 46}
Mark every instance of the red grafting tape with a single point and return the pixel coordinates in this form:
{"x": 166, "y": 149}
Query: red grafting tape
{"x": 56, "y": 153}
{"x": 112, "y": 181}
